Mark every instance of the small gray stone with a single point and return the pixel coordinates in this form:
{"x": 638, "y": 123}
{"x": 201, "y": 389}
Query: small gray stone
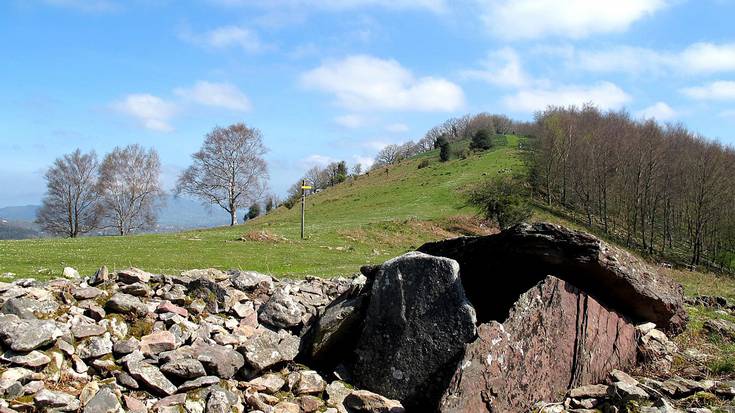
{"x": 70, "y": 273}
{"x": 137, "y": 289}
{"x": 198, "y": 383}
{"x": 281, "y": 311}
{"x": 626, "y": 391}
{"x": 28, "y": 308}
{"x": 270, "y": 382}
{"x": 124, "y": 347}
{"x": 268, "y": 348}
{"x": 219, "y": 360}
{"x": 151, "y": 377}
{"x": 33, "y": 359}
{"x": 365, "y": 401}
{"x": 100, "y": 276}
{"x": 249, "y": 280}
{"x": 184, "y": 369}
{"x": 28, "y": 335}
{"x": 87, "y": 293}
{"x": 58, "y": 401}
{"x": 87, "y": 330}
{"x": 95, "y": 347}
{"x": 105, "y": 401}
{"x": 133, "y": 275}
{"x": 126, "y": 303}
{"x": 218, "y": 402}
{"x": 593, "y": 391}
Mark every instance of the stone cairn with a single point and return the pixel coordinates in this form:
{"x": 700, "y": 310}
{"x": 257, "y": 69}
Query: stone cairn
{"x": 469, "y": 325}
{"x": 203, "y": 341}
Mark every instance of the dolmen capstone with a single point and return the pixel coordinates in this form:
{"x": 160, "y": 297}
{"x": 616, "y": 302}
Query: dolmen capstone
{"x": 494, "y": 323}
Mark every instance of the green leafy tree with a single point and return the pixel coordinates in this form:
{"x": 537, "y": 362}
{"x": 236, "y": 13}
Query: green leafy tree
{"x": 445, "y": 151}
{"x": 503, "y": 200}
{"x": 482, "y": 140}
{"x": 254, "y": 211}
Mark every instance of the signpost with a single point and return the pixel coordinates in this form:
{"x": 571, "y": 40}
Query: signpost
{"x": 304, "y": 188}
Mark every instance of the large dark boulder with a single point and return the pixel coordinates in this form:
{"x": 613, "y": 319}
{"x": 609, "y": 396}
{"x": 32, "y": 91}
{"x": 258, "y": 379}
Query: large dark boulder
{"x": 415, "y": 329}
{"x": 556, "y": 337}
{"x": 505, "y": 265}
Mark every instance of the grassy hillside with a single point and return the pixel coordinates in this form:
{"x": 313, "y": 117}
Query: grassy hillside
{"x": 364, "y": 220}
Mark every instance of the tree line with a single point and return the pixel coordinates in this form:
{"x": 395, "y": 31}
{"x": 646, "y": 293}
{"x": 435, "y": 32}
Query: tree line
{"x": 660, "y": 188}
{"x": 123, "y": 192}
{"x": 478, "y": 129}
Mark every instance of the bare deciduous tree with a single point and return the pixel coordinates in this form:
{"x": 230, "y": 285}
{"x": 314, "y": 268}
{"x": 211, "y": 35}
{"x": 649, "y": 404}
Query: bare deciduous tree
{"x": 229, "y": 170}
{"x": 129, "y": 188}
{"x": 70, "y": 205}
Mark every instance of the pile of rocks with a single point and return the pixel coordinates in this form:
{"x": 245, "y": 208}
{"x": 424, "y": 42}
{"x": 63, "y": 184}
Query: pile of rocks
{"x": 203, "y": 341}
{"x": 468, "y": 325}
{"x": 623, "y": 393}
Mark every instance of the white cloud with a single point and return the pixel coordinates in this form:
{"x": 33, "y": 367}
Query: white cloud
{"x": 220, "y": 95}
{"x": 375, "y": 144}
{"x": 698, "y": 58}
{"x": 501, "y": 68}
{"x": 604, "y": 95}
{"x": 625, "y": 59}
{"x": 659, "y": 111}
{"x": 531, "y": 19}
{"x": 717, "y": 90}
{"x": 363, "y": 82}
{"x": 85, "y": 5}
{"x": 708, "y": 58}
{"x": 226, "y": 37}
{"x": 397, "y": 128}
{"x": 436, "y": 6}
{"x": 150, "y": 111}
{"x": 350, "y": 121}
{"x": 365, "y": 161}
{"x": 317, "y": 160}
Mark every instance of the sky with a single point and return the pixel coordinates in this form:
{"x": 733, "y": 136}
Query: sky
{"x": 327, "y": 80}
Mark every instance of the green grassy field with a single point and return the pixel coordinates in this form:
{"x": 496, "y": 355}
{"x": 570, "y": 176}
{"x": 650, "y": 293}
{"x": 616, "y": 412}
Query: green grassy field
{"x": 365, "y": 220}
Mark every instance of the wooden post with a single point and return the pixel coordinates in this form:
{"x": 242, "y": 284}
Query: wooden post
{"x": 303, "y": 205}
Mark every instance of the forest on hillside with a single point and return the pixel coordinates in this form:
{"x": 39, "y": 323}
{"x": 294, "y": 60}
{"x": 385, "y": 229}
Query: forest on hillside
{"x": 659, "y": 188}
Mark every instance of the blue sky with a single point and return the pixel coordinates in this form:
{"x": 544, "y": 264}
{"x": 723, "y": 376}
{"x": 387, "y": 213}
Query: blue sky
{"x": 338, "y": 79}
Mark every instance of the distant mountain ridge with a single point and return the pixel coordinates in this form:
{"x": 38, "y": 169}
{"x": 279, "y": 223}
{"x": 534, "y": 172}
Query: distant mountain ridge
{"x": 17, "y": 222}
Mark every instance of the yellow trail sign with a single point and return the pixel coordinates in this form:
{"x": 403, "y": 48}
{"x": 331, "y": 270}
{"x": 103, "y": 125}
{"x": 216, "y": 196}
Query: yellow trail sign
{"x": 306, "y": 187}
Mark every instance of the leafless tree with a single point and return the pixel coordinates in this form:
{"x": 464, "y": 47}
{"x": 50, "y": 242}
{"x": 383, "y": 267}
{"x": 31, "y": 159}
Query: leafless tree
{"x": 129, "y": 189}
{"x": 387, "y": 156}
{"x": 229, "y": 170}
{"x": 70, "y": 205}
{"x": 318, "y": 177}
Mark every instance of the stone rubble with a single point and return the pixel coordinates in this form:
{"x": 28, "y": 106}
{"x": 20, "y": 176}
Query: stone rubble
{"x": 202, "y": 341}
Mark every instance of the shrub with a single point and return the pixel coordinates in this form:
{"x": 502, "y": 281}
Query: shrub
{"x": 481, "y": 141}
{"x": 254, "y": 211}
{"x": 460, "y": 152}
{"x": 503, "y": 200}
{"x": 444, "y": 149}
{"x": 424, "y": 163}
